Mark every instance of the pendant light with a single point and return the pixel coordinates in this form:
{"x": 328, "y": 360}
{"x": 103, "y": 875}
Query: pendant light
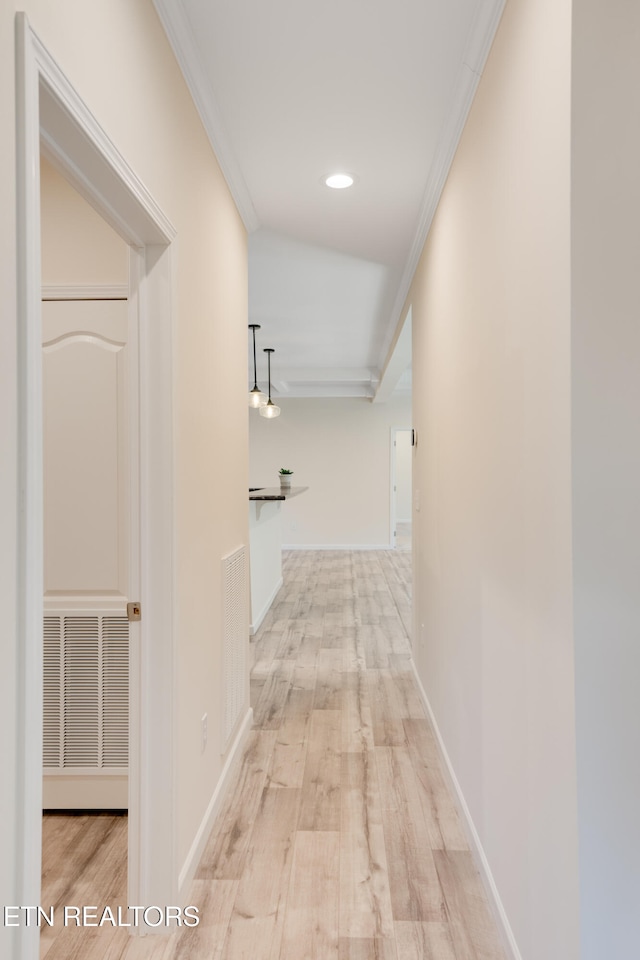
{"x": 269, "y": 410}
{"x": 256, "y": 396}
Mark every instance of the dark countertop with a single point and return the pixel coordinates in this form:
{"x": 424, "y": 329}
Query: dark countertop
{"x": 275, "y": 493}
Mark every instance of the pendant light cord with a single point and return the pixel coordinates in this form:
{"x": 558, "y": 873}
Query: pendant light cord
{"x": 255, "y": 368}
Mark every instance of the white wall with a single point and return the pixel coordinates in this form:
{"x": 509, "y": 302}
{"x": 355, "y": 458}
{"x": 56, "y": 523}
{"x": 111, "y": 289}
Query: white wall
{"x": 117, "y": 57}
{"x": 491, "y": 349}
{"x": 340, "y": 449}
{"x": 606, "y": 468}
{"x": 78, "y": 246}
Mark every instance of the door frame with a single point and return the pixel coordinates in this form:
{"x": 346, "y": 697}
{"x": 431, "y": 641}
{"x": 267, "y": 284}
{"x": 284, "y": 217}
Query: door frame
{"x": 52, "y": 116}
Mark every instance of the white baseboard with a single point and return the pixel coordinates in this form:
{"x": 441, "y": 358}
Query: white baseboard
{"x": 91, "y": 292}
{"x": 255, "y": 626}
{"x": 497, "y": 907}
{"x": 190, "y": 865}
{"x": 84, "y": 790}
{"x": 337, "y": 546}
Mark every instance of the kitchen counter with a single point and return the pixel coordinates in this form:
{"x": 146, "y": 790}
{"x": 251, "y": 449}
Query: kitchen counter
{"x": 274, "y": 493}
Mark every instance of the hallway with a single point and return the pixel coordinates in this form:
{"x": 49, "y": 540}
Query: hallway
{"x": 340, "y": 839}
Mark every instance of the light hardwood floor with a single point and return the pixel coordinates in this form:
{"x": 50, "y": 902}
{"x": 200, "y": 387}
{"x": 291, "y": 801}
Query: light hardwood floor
{"x": 340, "y": 840}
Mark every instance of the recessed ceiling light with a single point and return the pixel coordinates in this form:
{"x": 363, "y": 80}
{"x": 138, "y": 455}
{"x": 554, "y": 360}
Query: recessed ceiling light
{"x": 338, "y": 181}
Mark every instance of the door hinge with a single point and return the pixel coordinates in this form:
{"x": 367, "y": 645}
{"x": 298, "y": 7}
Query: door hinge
{"x": 134, "y": 611}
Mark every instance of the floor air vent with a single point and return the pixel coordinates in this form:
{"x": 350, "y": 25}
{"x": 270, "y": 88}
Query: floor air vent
{"x": 234, "y": 640}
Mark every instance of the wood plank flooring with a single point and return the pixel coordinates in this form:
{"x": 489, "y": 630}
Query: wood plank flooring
{"x": 339, "y": 840}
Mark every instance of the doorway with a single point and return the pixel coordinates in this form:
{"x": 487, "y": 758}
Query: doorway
{"x": 89, "y": 501}
{"x": 401, "y": 487}
{"x": 52, "y": 117}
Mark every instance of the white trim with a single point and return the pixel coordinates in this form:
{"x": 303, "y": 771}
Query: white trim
{"x": 497, "y": 907}
{"x": 29, "y": 704}
{"x": 479, "y": 43}
{"x": 189, "y": 56}
{"x": 97, "y": 790}
{"x": 337, "y": 546}
{"x": 54, "y": 291}
{"x": 77, "y": 146}
{"x": 103, "y": 772}
{"x": 50, "y": 114}
{"x": 254, "y": 627}
{"x": 134, "y": 565}
{"x": 158, "y": 656}
{"x": 234, "y": 755}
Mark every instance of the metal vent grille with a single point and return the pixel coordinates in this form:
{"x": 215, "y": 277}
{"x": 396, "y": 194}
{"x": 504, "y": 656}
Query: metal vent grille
{"x": 234, "y": 640}
{"x": 86, "y": 692}
{"x": 115, "y": 692}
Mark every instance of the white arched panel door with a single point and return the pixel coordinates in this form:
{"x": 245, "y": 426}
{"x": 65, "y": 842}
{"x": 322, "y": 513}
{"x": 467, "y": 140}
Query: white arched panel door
{"x": 86, "y": 551}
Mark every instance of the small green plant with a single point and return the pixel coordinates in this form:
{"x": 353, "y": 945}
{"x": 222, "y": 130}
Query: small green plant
{"x": 284, "y": 472}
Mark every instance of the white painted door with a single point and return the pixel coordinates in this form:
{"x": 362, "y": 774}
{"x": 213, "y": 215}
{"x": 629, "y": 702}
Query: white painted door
{"x": 401, "y": 485}
{"x": 86, "y": 553}
{"x": 403, "y": 476}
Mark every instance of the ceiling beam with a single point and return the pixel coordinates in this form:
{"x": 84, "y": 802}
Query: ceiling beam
{"x": 398, "y": 362}
{"x": 326, "y": 374}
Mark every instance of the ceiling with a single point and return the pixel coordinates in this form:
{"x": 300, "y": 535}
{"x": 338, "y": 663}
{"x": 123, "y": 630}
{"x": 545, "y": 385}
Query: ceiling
{"x": 290, "y": 91}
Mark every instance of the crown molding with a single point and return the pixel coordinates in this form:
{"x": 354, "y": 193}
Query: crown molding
{"x": 479, "y": 42}
{"x": 188, "y": 55}
{"x": 482, "y": 33}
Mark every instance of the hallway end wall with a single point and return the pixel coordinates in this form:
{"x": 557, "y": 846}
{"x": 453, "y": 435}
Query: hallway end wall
{"x": 491, "y": 347}
{"x": 340, "y": 449}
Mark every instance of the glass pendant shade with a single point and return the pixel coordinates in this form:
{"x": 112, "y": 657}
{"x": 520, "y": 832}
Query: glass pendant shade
{"x": 256, "y": 397}
{"x": 270, "y": 410}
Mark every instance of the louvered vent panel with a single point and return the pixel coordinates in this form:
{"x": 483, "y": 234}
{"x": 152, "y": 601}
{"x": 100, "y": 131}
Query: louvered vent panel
{"x": 115, "y": 691}
{"x": 86, "y": 692}
{"x": 82, "y": 705}
{"x": 234, "y": 640}
{"x": 53, "y": 692}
